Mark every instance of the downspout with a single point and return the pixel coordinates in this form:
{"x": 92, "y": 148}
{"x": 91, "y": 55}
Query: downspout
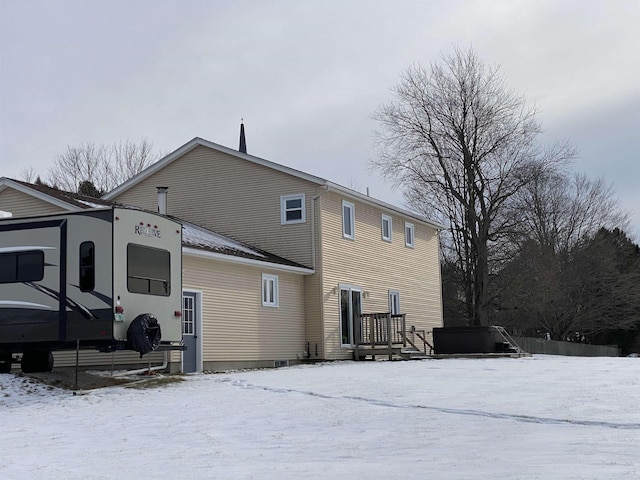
{"x": 439, "y": 280}
{"x": 162, "y": 200}
{"x": 327, "y": 188}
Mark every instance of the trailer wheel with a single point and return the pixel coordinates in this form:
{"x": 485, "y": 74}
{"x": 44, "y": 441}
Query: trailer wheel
{"x": 5, "y": 363}
{"x": 37, "y": 361}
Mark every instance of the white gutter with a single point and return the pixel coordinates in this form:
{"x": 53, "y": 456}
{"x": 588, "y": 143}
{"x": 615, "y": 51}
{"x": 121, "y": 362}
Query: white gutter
{"x": 194, "y": 252}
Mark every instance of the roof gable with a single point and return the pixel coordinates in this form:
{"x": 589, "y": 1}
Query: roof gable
{"x": 66, "y": 200}
{"x": 197, "y": 141}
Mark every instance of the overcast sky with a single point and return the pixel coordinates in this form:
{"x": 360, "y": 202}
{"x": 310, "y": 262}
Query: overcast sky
{"x": 306, "y": 76}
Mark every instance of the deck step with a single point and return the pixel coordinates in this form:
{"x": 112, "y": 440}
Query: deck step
{"x": 412, "y": 354}
{"x": 405, "y": 353}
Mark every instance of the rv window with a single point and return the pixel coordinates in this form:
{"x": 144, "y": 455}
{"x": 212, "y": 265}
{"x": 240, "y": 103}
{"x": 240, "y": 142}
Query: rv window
{"x": 87, "y": 266}
{"x": 22, "y": 266}
{"x": 148, "y": 270}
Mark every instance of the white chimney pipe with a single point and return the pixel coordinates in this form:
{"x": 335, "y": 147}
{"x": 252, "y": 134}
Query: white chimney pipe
{"x": 162, "y": 200}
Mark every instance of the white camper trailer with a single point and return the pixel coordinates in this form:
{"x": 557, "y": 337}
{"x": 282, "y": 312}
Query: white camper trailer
{"x": 108, "y": 279}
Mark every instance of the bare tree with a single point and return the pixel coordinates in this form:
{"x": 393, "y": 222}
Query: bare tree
{"x": 558, "y": 210}
{"x": 128, "y": 159}
{"x": 104, "y": 166}
{"x": 78, "y": 164}
{"x": 461, "y": 145}
{"x": 28, "y": 174}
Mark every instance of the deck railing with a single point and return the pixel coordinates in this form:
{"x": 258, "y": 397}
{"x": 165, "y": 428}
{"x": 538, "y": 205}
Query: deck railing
{"x": 381, "y": 329}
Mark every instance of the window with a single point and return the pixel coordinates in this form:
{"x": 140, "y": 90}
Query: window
{"x": 348, "y": 225}
{"x": 269, "y": 290}
{"x": 188, "y": 314}
{"x": 22, "y": 266}
{"x": 387, "y": 228}
{"x": 148, "y": 270}
{"x": 87, "y": 266}
{"x": 292, "y": 209}
{"x": 409, "y": 240}
{"x": 394, "y": 302}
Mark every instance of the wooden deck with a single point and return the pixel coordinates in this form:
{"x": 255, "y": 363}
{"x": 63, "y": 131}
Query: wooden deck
{"x": 386, "y": 335}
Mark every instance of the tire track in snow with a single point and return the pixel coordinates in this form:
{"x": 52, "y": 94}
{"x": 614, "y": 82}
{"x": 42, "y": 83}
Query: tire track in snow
{"x": 452, "y": 411}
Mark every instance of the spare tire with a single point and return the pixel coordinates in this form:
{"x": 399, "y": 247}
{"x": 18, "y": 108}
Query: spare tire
{"x": 143, "y": 334}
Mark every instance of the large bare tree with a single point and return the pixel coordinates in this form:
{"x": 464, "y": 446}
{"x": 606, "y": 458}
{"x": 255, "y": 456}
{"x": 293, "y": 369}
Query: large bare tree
{"x": 461, "y": 145}
{"x": 103, "y": 166}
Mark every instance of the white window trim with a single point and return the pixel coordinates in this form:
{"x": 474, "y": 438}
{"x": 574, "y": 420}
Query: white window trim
{"x": 268, "y": 279}
{"x": 352, "y": 223}
{"x": 390, "y": 220}
{"x": 412, "y": 242}
{"x": 283, "y": 209}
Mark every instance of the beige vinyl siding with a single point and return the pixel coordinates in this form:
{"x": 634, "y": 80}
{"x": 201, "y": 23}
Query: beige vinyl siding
{"x": 93, "y": 358}
{"x": 378, "y": 266}
{"x": 231, "y": 196}
{"x": 235, "y": 325}
{"x": 23, "y": 205}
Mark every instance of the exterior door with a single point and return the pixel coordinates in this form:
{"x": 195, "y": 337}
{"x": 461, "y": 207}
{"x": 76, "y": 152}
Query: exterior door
{"x": 190, "y": 324}
{"x": 350, "y": 311}
{"x": 394, "y": 302}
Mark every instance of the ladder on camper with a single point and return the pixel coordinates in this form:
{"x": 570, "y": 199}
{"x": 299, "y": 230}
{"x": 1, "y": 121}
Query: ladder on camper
{"x": 509, "y": 342}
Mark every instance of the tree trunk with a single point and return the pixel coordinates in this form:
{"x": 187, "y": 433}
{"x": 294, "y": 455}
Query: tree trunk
{"x": 481, "y": 280}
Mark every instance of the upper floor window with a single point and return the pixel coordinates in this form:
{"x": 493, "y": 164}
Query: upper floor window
{"x": 292, "y": 209}
{"x": 348, "y": 220}
{"x": 387, "y": 227}
{"x": 409, "y": 239}
{"x": 269, "y": 290}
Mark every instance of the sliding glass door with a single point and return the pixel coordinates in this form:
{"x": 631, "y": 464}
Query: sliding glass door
{"x": 350, "y": 311}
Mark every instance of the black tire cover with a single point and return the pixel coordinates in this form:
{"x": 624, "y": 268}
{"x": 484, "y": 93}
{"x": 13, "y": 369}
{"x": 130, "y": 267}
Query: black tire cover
{"x": 143, "y": 334}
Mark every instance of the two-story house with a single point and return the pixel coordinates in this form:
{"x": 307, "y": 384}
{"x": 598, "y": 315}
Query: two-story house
{"x": 355, "y": 254}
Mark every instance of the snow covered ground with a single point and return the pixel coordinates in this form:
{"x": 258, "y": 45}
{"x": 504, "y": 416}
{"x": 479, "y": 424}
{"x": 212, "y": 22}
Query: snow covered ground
{"x": 544, "y": 417}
